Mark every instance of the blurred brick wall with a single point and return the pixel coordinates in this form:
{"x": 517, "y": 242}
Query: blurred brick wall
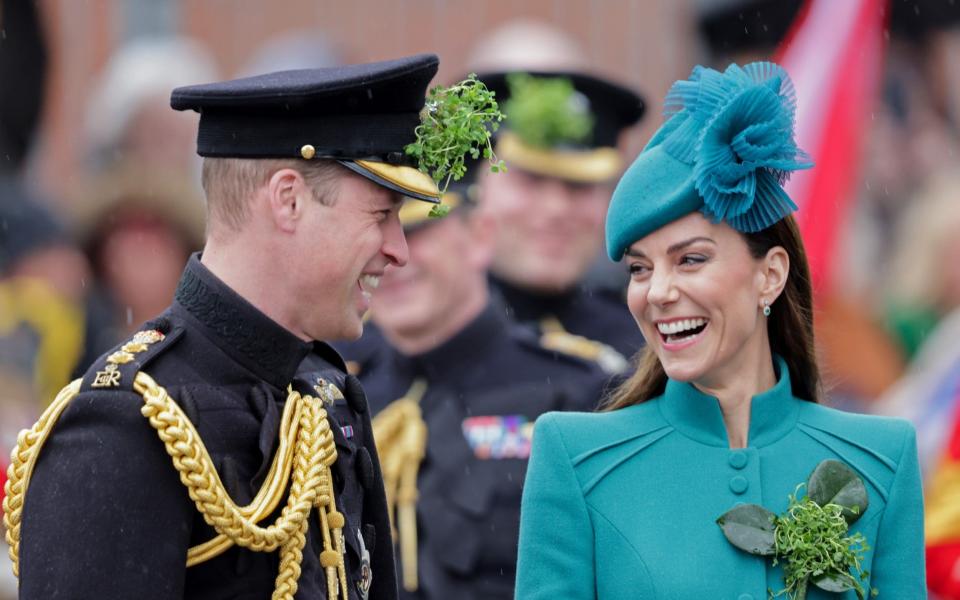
{"x": 644, "y": 43}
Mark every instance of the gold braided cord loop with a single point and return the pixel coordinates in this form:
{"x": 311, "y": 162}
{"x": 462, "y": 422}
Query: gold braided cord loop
{"x": 311, "y": 482}
{"x": 22, "y": 460}
{"x": 269, "y": 496}
{"x": 304, "y": 427}
{"x": 401, "y": 438}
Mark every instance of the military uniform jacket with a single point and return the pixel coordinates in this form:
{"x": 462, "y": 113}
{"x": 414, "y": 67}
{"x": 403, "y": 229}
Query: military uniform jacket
{"x": 485, "y": 388}
{"x": 622, "y": 505}
{"x": 598, "y": 315}
{"x": 106, "y": 516}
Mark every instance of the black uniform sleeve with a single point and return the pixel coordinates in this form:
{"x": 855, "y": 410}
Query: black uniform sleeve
{"x": 105, "y": 515}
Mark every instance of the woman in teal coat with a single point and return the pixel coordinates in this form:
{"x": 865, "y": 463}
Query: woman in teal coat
{"x": 723, "y": 409}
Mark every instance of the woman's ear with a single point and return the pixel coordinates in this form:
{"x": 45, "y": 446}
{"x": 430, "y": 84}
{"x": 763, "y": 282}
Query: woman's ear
{"x": 775, "y": 270}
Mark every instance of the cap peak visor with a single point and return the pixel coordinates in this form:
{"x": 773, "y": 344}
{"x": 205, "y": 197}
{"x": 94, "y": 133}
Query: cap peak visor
{"x": 398, "y": 178}
{"x": 589, "y": 165}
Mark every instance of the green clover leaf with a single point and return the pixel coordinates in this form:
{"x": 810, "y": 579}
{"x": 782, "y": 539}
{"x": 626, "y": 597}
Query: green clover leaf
{"x": 456, "y": 121}
{"x": 750, "y": 527}
{"x": 833, "y": 482}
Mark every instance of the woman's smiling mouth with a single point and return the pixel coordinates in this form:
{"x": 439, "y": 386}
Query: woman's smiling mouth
{"x": 679, "y": 333}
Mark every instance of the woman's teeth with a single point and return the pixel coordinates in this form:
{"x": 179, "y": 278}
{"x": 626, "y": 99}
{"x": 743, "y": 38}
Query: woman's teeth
{"x": 678, "y": 330}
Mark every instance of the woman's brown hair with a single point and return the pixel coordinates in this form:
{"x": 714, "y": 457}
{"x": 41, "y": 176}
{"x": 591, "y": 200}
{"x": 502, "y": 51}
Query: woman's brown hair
{"x": 790, "y": 326}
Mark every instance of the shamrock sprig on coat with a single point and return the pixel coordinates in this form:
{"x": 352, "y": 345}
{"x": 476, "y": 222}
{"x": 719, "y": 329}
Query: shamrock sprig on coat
{"x": 811, "y": 537}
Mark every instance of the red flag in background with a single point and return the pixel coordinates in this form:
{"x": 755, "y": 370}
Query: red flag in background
{"x": 834, "y": 55}
{"x": 942, "y": 521}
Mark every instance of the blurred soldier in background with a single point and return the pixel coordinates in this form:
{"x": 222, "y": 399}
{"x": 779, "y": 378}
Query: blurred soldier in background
{"x": 455, "y": 390}
{"x": 560, "y": 145}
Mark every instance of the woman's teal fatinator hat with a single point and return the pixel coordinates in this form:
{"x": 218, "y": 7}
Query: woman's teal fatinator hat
{"x": 726, "y": 149}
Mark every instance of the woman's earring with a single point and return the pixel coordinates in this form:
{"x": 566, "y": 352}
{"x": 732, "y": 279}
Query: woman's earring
{"x": 766, "y": 308}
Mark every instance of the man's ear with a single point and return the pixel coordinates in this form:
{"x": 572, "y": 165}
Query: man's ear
{"x": 287, "y": 193}
{"x": 775, "y": 268}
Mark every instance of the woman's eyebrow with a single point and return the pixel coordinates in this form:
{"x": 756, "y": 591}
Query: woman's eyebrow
{"x": 681, "y": 245}
{"x": 672, "y": 249}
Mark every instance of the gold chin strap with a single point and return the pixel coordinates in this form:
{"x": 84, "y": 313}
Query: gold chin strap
{"x": 401, "y": 438}
{"x": 307, "y": 451}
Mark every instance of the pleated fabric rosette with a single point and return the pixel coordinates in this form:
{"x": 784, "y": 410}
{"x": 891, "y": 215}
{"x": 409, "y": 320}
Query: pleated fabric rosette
{"x": 726, "y": 149}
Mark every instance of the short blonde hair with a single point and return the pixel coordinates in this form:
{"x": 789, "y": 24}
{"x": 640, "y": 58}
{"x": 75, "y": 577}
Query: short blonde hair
{"x": 230, "y": 183}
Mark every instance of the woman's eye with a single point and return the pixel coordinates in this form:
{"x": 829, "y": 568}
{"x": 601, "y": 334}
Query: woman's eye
{"x": 693, "y": 259}
{"x": 637, "y": 269}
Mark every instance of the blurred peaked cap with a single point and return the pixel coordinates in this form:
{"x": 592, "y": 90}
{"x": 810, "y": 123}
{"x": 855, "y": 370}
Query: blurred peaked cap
{"x": 459, "y": 196}
{"x": 613, "y": 107}
{"x": 101, "y": 204}
{"x": 26, "y": 225}
{"x": 360, "y": 115}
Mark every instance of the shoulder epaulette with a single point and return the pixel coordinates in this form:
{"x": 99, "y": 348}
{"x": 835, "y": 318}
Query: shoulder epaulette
{"x": 571, "y": 344}
{"x": 307, "y": 441}
{"x": 118, "y": 369}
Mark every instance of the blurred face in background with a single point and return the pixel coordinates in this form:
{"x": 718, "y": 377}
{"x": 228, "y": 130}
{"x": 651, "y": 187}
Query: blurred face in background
{"x": 442, "y": 286}
{"x": 548, "y": 231}
{"x": 140, "y": 259}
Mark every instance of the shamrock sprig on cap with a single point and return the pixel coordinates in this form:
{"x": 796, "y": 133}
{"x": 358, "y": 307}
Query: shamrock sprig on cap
{"x": 456, "y": 122}
{"x": 547, "y": 111}
{"x": 810, "y": 538}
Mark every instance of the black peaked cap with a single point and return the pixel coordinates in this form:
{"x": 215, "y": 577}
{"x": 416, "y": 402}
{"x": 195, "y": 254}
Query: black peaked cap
{"x": 353, "y": 112}
{"x": 613, "y": 106}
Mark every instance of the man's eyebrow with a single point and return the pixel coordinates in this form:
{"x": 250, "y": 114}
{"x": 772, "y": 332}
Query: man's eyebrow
{"x": 672, "y": 249}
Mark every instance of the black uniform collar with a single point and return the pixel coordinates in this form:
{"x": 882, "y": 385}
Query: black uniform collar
{"x": 525, "y": 305}
{"x": 459, "y": 351}
{"x": 247, "y": 335}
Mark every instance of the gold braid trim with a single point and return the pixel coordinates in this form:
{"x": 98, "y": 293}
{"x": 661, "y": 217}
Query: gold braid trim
{"x": 23, "y": 458}
{"x": 304, "y": 420}
{"x": 401, "y": 438}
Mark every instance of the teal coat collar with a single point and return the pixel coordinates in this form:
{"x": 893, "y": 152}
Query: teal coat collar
{"x": 697, "y": 415}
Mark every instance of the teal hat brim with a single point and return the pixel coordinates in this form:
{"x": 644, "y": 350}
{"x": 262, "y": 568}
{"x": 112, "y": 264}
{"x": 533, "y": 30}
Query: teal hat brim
{"x": 656, "y": 190}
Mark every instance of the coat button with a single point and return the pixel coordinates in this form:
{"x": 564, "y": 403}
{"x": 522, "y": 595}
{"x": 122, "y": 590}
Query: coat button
{"x": 364, "y": 467}
{"x": 745, "y": 597}
{"x": 738, "y": 484}
{"x": 738, "y": 459}
{"x": 353, "y": 391}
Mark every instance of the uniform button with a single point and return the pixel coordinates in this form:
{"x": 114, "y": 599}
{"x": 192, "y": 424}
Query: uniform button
{"x": 738, "y": 484}
{"x": 354, "y": 393}
{"x": 364, "y": 466}
{"x": 738, "y": 459}
{"x": 745, "y": 597}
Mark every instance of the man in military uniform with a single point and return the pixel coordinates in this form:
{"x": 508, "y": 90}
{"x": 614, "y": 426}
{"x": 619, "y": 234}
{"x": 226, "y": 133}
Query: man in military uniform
{"x": 455, "y": 391}
{"x": 550, "y": 204}
{"x": 189, "y": 462}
